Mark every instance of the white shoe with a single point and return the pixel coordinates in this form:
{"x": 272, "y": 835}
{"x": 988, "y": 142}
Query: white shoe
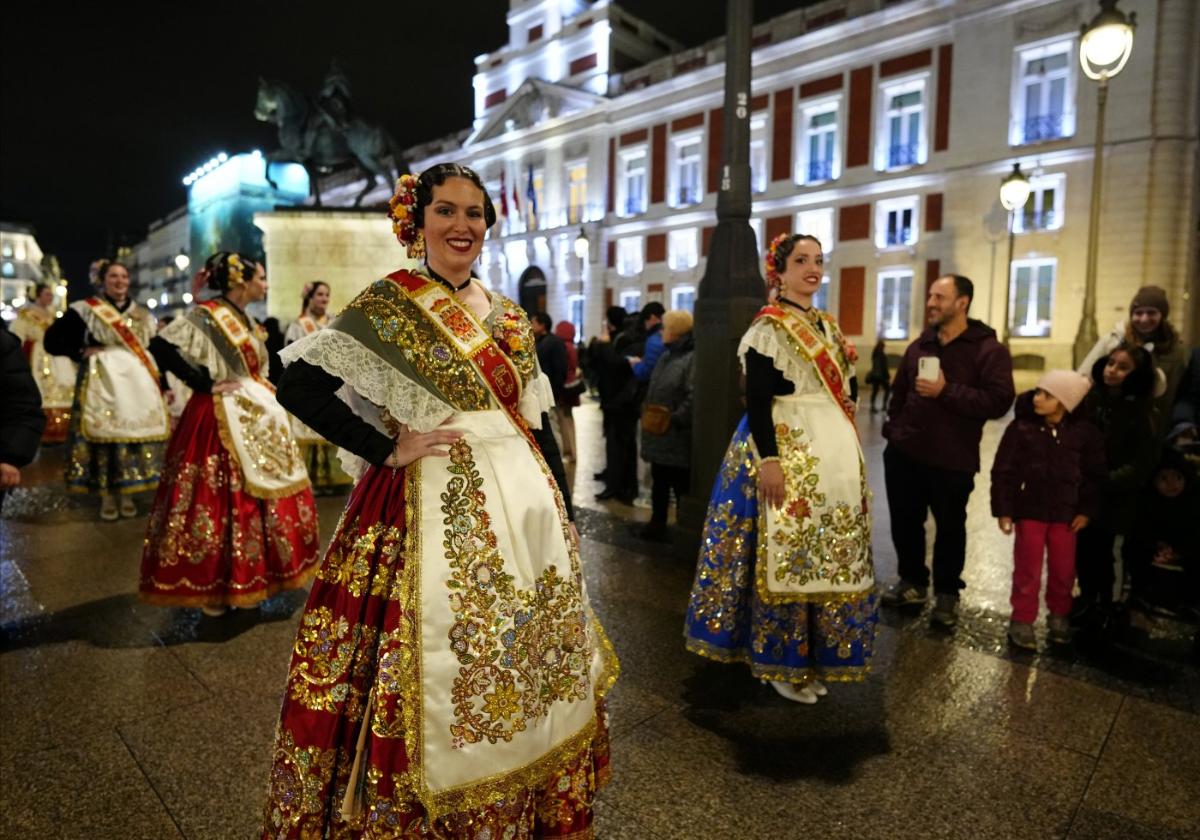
{"x": 797, "y": 694}
{"x": 128, "y": 508}
{"x": 108, "y": 508}
{"x": 818, "y": 688}
{"x": 214, "y": 612}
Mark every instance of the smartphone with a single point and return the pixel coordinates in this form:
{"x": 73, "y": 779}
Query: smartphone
{"x": 928, "y": 367}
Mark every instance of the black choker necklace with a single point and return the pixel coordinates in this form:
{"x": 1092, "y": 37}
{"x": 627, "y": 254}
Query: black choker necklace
{"x": 793, "y": 303}
{"x": 446, "y": 282}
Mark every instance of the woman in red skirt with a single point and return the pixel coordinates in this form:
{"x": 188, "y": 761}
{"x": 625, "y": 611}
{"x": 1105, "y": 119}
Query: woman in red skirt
{"x": 448, "y": 677}
{"x": 233, "y": 521}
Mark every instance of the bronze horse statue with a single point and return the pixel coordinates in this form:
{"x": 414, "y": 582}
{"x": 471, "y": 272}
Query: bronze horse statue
{"x": 321, "y": 135}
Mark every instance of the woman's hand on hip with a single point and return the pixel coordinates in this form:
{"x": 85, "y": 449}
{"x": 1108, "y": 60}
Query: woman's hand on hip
{"x": 226, "y": 386}
{"x": 410, "y": 445}
{"x": 770, "y": 483}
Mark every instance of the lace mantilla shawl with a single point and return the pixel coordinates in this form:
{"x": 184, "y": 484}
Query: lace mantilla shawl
{"x": 766, "y": 335}
{"x": 197, "y": 338}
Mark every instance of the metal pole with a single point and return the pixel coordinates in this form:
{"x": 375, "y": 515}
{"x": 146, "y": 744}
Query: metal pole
{"x": 1012, "y": 235}
{"x": 732, "y": 288}
{"x": 1088, "y": 333}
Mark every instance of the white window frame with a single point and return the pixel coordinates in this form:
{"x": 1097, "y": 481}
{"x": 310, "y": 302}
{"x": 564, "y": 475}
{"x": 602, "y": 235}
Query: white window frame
{"x": 627, "y": 155}
{"x": 756, "y": 225}
{"x": 1028, "y": 325}
{"x": 1022, "y": 56}
{"x": 817, "y": 222}
{"x": 577, "y": 211}
{"x": 630, "y": 300}
{"x": 900, "y": 326}
{"x": 804, "y": 161}
{"x": 580, "y": 302}
{"x": 678, "y": 143}
{"x": 883, "y": 135}
{"x": 1035, "y": 205}
{"x": 823, "y": 299}
{"x": 631, "y": 255}
{"x": 683, "y": 248}
{"x": 760, "y": 175}
{"x": 884, "y": 208}
{"x": 520, "y": 249}
{"x": 677, "y": 292}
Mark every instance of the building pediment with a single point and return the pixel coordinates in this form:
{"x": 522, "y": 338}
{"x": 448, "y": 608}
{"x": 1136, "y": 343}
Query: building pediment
{"x": 533, "y": 103}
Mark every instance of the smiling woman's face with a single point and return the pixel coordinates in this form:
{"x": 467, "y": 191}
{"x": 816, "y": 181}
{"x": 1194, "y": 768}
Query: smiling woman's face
{"x": 454, "y": 228}
{"x": 802, "y": 273}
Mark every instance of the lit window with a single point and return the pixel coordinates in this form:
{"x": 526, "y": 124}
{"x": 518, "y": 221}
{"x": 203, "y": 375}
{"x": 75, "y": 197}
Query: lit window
{"x": 758, "y": 154}
{"x": 901, "y": 142}
{"x": 1043, "y": 209}
{"x": 631, "y": 300}
{"x": 896, "y": 222}
{"x": 632, "y": 198}
{"x": 895, "y": 303}
{"x": 818, "y": 223}
{"x": 8, "y": 269}
{"x": 1043, "y": 95}
{"x": 630, "y": 255}
{"x": 819, "y": 141}
{"x": 683, "y": 297}
{"x": 575, "y": 314}
{"x": 576, "y": 193}
{"x": 682, "y": 249}
{"x": 516, "y": 258}
{"x": 1031, "y": 295}
{"x": 686, "y": 171}
{"x": 6, "y": 250}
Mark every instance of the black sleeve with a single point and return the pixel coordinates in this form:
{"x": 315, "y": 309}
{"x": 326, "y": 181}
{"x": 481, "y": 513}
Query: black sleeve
{"x": 853, "y": 389}
{"x": 21, "y": 417}
{"x": 311, "y": 394}
{"x": 549, "y": 446}
{"x": 68, "y": 336}
{"x": 763, "y": 382}
{"x": 170, "y": 360}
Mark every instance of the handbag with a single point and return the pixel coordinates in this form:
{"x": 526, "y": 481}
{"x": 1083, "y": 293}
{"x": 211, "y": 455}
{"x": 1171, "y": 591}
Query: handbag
{"x": 656, "y": 419}
{"x": 576, "y": 387}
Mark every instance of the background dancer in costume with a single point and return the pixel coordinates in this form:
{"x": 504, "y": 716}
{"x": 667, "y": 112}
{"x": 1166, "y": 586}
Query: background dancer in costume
{"x": 785, "y": 580}
{"x": 118, "y": 418}
{"x": 320, "y": 456}
{"x": 233, "y": 521}
{"x": 55, "y": 375}
{"x": 448, "y": 675}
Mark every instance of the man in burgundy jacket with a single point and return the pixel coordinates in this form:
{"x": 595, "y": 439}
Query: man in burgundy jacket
{"x": 933, "y": 430}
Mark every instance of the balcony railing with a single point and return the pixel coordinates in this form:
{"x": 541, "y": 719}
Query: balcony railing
{"x": 1039, "y": 221}
{"x": 1043, "y": 127}
{"x": 688, "y": 195}
{"x": 820, "y": 170}
{"x": 904, "y": 154}
{"x": 634, "y": 205}
{"x": 898, "y": 236}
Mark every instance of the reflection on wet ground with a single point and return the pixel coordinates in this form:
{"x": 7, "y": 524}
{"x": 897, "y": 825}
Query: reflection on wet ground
{"x": 122, "y": 720}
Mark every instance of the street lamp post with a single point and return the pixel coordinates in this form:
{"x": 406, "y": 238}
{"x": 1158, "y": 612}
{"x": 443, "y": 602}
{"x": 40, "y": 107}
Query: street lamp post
{"x": 1104, "y": 48}
{"x": 1014, "y": 192}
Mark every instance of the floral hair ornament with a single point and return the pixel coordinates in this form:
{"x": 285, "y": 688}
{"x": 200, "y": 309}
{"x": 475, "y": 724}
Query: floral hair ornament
{"x": 94, "y": 269}
{"x": 237, "y": 270}
{"x": 402, "y": 212}
{"x": 772, "y": 249}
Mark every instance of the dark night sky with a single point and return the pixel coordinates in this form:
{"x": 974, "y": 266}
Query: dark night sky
{"x": 105, "y": 107}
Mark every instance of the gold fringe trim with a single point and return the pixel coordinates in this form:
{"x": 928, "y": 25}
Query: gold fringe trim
{"x": 816, "y": 598}
{"x": 799, "y": 676}
{"x": 249, "y": 599}
{"x": 251, "y": 488}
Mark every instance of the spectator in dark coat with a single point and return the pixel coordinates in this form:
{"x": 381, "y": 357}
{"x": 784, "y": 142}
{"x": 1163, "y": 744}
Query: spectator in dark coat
{"x": 1162, "y": 545}
{"x": 667, "y": 421}
{"x": 879, "y": 377}
{"x": 552, "y": 355}
{"x": 1046, "y": 483}
{"x": 1184, "y": 432}
{"x": 21, "y": 417}
{"x": 933, "y": 429}
{"x": 1121, "y": 406}
{"x": 621, "y": 400}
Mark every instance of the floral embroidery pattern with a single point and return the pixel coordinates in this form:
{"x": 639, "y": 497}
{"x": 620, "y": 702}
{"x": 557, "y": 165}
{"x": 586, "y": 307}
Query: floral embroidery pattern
{"x": 350, "y": 558}
{"x": 320, "y": 677}
{"x": 520, "y": 651}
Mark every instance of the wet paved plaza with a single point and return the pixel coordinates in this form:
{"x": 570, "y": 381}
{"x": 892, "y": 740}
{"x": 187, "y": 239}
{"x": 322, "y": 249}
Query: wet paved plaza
{"x": 120, "y": 720}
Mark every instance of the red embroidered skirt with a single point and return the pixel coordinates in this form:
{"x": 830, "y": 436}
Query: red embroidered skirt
{"x": 208, "y": 542}
{"x": 353, "y": 638}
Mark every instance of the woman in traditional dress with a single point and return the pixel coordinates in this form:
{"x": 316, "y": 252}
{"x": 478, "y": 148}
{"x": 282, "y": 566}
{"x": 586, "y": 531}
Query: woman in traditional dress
{"x": 448, "y": 676}
{"x": 118, "y": 415}
{"x": 320, "y": 456}
{"x": 785, "y": 580}
{"x": 233, "y": 521}
{"x": 55, "y": 375}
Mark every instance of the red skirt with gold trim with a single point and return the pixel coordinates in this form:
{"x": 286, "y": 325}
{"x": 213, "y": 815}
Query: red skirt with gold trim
{"x": 209, "y": 543}
{"x": 355, "y": 636}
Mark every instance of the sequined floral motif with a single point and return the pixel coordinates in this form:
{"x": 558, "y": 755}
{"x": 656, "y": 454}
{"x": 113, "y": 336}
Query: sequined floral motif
{"x": 271, "y": 446}
{"x": 815, "y": 542}
{"x": 298, "y": 779}
{"x": 325, "y": 649}
{"x": 515, "y": 337}
{"x": 520, "y": 651}
{"x": 724, "y": 569}
{"x": 349, "y": 561}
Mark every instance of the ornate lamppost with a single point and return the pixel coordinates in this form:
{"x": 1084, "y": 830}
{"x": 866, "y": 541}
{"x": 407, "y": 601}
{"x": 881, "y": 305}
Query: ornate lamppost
{"x": 1104, "y": 48}
{"x": 1014, "y": 192}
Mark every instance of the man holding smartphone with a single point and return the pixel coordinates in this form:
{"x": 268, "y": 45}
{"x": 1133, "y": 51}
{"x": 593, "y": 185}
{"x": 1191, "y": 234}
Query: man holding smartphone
{"x": 954, "y": 378}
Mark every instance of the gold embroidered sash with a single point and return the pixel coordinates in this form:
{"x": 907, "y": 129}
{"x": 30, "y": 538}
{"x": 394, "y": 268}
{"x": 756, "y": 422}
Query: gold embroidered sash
{"x": 110, "y": 317}
{"x": 816, "y": 350}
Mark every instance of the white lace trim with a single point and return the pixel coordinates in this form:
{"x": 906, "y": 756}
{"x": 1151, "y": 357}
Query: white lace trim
{"x": 371, "y": 377}
{"x": 141, "y": 324}
{"x": 763, "y": 337}
{"x": 197, "y": 348}
{"x": 538, "y": 397}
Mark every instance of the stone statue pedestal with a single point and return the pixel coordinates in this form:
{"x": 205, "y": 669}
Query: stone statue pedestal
{"x": 348, "y": 249}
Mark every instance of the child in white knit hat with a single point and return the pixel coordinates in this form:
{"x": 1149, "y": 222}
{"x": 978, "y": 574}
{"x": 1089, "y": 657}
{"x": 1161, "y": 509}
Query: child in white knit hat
{"x": 1046, "y": 483}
